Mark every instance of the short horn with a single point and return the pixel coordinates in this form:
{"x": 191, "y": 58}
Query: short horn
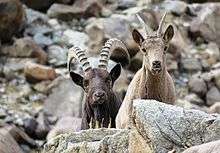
{"x": 159, "y": 31}
{"x": 147, "y": 29}
{"x": 78, "y": 53}
{"x": 110, "y": 46}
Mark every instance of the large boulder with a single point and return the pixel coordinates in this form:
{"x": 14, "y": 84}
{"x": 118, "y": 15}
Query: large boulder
{"x": 10, "y": 138}
{"x": 36, "y": 72}
{"x": 25, "y": 47}
{"x": 66, "y": 124}
{"x": 81, "y": 8}
{"x": 116, "y": 26}
{"x": 65, "y": 99}
{"x": 155, "y": 129}
{"x": 11, "y": 19}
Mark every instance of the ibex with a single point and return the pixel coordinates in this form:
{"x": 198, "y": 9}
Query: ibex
{"x": 102, "y": 104}
{"x": 152, "y": 81}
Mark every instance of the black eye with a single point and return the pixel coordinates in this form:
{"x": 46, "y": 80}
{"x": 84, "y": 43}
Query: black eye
{"x": 86, "y": 83}
{"x": 144, "y": 50}
{"x": 108, "y": 80}
{"x": 165, "y": 48}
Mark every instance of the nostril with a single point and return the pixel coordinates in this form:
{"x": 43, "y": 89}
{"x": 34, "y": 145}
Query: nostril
{"x": 156, "y": 64}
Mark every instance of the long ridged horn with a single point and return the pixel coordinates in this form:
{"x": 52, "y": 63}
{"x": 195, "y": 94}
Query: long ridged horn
{"x": 78, "y": 53}
{"x": 159, "y": 31}
{"x": 111, "y": 45}
{"x": 147, "y": 29}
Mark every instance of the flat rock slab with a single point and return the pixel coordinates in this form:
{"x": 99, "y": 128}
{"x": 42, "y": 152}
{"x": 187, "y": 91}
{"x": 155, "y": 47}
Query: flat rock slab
{"x": 158, "y": 127}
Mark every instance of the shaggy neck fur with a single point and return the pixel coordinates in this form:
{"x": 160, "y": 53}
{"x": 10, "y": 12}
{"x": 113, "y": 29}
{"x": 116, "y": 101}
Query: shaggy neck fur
{"x": 154, "y": 84}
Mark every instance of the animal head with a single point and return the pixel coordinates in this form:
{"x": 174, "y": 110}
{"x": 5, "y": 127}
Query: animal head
{"x": 154, "y": 46}
{"x": 97, "y": 82}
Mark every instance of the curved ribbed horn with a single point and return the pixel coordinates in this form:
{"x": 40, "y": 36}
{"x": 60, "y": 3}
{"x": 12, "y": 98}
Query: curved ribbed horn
{"x": 147, "y": 29}
{"x": 159, "y": 31}
{"x": 108, "y": 48}
{"x": 78, "y": 53}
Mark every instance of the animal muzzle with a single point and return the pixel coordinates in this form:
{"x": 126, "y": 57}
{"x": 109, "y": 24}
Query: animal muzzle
{"x": 156, "y": 67}
{"x": 99, "y": 97}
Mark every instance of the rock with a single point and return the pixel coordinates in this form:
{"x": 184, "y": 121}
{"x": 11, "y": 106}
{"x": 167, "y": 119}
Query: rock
{"x": 14, "y": 66}
{"x": 85, "y": 8}
{"x": 57, "y": 55}
{"x": 206, "y": 24}
{"x": 191, "y": 64}
{"x": 210, "y": 54}
{"x": 3, "y": 113}
{"x": 193, "y": 98}
{"x": 118, "y": 27}
{"x": 215, "y": 108}
{"x": 38, "y": 26}
{"x": 176, "y": 7}
{"x": 26, "y": 47}
{"x": 166, "y": 131}
{"x": 33, "y": 18}
{"x": 65, "y": 100}
{"x": 30, "y": 125}
{"x": 8, "y": 143}
{"x": 124, "y": 4}
{"x": 36, "y": 72}
{"x": 102, "y": 29}
{"x": 210, "y": 147}
{"x": 212, "y": 96}
{"x": 71, "y": 37}
{"x": 38, "y": 4}
{"x": 42, "y": 87}
{"x": 217, "y": 80}
{"x": 198, "y": 86}
{"x": 155, "y": 129}
{"x": 42, "y": 40}
{"x": 113, "y": 139}
{"x": 64, "y": 125}
{"x": 11, "y": 19}
{"x": 43, "y": 127}
{"x": 11, "y": 136}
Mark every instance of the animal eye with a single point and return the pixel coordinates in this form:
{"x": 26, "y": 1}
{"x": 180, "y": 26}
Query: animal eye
{"x": 86, "y": 83}
{"x": 165, "y": 48}
{"x": 144, "y": 50}
{"x": 108, "y": 80}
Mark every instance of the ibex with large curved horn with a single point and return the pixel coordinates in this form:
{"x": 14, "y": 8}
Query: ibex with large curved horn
{"x": 152, "y": 81}
{"x": 102, "y": 104}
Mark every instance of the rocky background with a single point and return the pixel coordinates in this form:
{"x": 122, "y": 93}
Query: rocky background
{"x": 36, "y": 92}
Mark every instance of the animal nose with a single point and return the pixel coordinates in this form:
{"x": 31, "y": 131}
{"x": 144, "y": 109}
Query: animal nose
{"x": 156, "y": 64}
{"x": 99, "y": 94}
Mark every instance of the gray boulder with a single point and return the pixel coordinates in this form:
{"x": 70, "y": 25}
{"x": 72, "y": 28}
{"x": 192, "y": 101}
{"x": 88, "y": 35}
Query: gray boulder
{"x": 157, "y": 127}
{"x": 65, "y": 99}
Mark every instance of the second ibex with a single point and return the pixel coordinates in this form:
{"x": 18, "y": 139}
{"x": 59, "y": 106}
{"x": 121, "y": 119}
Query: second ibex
{"x": 152, "y": 81}
{"x": 102, "y": 104}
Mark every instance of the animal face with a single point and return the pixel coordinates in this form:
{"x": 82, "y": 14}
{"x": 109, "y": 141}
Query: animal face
{"x": 97, "y": 83}
{"x": 154, "y": 49}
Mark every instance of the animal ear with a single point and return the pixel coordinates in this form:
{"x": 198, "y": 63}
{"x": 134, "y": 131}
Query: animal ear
{"x": 168, "y": 35}
{"x": 77, "y": 79}
{"x": 115, "y": 72}
{"x": 138, "y": 38}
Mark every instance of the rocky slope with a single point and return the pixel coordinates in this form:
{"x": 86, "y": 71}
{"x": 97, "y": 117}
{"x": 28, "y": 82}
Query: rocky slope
{"x": 36, "y": 93}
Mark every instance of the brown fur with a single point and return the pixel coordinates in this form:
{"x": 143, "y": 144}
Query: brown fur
{"x": 149, "y": 82}
{"x": 103, "y": 110}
